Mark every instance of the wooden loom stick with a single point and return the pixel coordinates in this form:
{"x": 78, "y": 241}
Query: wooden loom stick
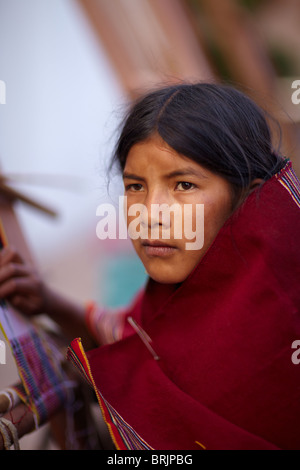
{"x": 14, "y": 195}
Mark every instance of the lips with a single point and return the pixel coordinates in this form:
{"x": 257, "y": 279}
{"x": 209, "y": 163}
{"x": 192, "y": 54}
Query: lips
{"x": 158, "y": 248}
{"x": 156, "y": 243}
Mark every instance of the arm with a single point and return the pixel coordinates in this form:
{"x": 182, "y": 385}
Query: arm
{"x": 108, "y": 325}
{"x": 23, "y": 288}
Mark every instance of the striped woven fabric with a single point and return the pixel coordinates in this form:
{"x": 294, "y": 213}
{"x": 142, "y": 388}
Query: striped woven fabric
{"x": 41, "y": 376}
{"x": 122, "y": 434}
{"x": 38, "y": 362}
{"x": 287, "y": 177}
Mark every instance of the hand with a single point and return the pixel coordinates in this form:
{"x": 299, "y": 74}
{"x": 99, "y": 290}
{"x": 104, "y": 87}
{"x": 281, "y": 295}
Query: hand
{"x": 20, "y": 284}
{"x": 23, "y": 288}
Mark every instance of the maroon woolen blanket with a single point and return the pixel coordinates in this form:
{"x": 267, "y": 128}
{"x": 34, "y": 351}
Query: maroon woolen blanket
{"x": 224, "y": 378}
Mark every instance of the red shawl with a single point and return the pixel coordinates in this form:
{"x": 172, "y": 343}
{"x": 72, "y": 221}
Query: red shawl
{"x": 225, "y": 378}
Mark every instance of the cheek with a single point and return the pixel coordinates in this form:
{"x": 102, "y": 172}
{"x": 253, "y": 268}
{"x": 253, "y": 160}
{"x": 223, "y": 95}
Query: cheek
{"x": 136, "y": 218}
{"x": 215, "y": 215}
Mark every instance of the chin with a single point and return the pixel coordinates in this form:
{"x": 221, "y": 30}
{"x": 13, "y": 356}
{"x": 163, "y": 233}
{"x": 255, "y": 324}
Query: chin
{"x": 165, "y": 278}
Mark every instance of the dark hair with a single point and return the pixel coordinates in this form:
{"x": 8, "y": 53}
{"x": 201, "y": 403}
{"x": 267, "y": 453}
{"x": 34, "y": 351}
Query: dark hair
{"x": 214, "y": 125}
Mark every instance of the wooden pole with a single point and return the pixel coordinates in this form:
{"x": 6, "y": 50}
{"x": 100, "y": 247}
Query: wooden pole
{"x": 14, "y": 195}
{"x": 238, "y": 39}
{"x": 149, "y": 42}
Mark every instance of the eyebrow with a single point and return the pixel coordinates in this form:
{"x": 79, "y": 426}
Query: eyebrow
{"x": 132, "y": 176}
{"x": 184, "y": 172}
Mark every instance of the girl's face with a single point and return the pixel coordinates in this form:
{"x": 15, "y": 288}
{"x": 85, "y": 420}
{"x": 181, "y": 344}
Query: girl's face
{"x": 171, "y": 243}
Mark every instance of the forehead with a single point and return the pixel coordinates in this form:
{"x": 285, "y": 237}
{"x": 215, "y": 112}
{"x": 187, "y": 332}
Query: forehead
{"x": 155, "y": 153}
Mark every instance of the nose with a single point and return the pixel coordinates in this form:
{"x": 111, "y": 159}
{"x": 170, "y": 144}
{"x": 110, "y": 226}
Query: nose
{"x": 156, "y": 201}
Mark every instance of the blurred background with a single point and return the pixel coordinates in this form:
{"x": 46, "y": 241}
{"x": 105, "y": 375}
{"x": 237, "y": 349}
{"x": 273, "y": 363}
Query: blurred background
{"x": 71, "y": 66}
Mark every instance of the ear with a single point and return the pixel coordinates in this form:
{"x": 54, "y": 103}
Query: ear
{"x": 255, "y": 183}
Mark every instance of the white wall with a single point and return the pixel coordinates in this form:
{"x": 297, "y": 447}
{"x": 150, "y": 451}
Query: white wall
{"x": 61, "y": 96}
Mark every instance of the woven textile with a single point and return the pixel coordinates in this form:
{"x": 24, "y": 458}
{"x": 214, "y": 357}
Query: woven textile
{"x": 38, "y": 362}
{"x": 122, "y": 434}
{"x": 287, "y": 177}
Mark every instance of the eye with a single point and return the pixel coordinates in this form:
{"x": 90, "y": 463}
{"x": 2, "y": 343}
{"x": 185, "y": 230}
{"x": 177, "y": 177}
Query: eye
{"x": 184, "y": 186}
{"x": 135, "y": 187}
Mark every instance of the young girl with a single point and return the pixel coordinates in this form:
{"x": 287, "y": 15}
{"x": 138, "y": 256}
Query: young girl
{"x": 202, "y": 359}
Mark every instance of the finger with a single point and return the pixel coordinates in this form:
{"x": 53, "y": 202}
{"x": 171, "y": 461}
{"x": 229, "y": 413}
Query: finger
{"x": 9, "y": 254}
{"x": 13, "y": 270}
{"x": 16, "y": 286}
{"x": 25, "y": 304}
